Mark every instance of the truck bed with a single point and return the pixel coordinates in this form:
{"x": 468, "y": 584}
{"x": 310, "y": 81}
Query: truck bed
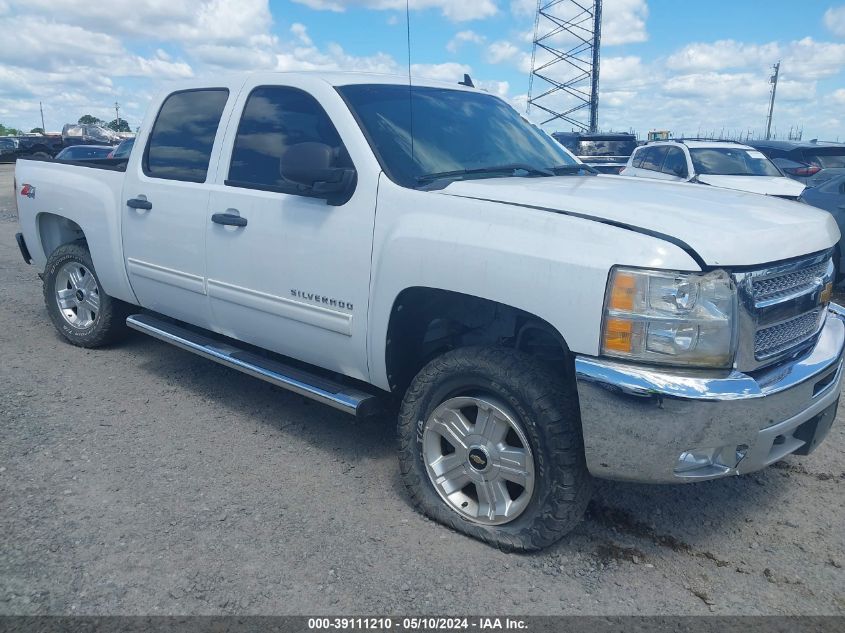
{"x": 66, "y": 196}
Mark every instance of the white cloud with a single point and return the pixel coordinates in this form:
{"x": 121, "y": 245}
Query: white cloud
{"x": 502, "y": 51}
{"x": 463, "y": 37}
{"x": 834, "y": 20}
{"x": 805, "y": 57}
{"x": 180, "y": 20}
{"x": 624, "y": 22}
{"x": 523, "y": 7}
{"x": 450, "y": 71}
{"x": 51, "y": 47}
{"x": 499, "y": 88}
{"x": 455, "y": 10}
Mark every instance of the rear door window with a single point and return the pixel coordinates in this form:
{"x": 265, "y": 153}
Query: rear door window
{"x": 180, "y": 143}
{"x": 638, "y": 158}
{"x": 675, "y": 163}
{"x": 655, "y": 157}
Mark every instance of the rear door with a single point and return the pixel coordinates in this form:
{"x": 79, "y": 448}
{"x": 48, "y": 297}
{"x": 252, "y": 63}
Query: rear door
{"x": 165, "y": 202}
{"x": 294, "y": 277}
{"x": 675, "y": 166}
{"x": 648, "y": 163}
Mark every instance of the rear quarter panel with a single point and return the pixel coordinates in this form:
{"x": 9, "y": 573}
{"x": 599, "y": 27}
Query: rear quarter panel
{"x": 89, "y": 197}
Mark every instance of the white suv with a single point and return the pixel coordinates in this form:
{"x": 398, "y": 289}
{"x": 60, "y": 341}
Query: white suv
{"x": 720, "y": 163}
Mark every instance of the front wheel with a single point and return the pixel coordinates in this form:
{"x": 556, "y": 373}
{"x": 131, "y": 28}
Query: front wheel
{"x": 79, "y": 308}
{"x": 490, "y": 445}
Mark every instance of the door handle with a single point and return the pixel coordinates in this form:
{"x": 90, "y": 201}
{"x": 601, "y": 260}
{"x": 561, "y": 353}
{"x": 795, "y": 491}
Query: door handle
{"x": 138, "y": 203}
{"x": 228, "y": 219}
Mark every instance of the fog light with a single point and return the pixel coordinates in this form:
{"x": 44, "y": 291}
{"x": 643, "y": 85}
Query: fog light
{"x": 710, "y": 462}
{"x": 693, "y": 460}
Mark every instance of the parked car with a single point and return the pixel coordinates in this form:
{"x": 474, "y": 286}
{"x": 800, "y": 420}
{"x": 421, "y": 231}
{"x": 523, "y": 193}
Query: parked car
{"x": 539, "y": 324}
{"x": 606, "y": 153}
{"x": 719, "y": 163}
{"x": 830, "y": 196}
{"x": 84, "y": 152}
{"x": 808, "y": 162}
{"x": 8, "y": 149}
{"x": 123, "y": 150}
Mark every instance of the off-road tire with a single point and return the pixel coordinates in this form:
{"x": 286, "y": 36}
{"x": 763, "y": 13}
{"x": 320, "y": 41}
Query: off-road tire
{"x": 547, "y": 407}
{"x": 109, "y": 325}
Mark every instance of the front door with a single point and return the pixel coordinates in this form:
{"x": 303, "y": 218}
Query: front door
{"x": 286, "y": 272}
{"x": 165, "y": 200}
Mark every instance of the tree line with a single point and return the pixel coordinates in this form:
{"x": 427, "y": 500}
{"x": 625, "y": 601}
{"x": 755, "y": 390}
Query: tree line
{"x": 86, "y": 119}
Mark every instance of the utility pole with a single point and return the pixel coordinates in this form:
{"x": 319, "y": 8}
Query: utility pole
{"x": 774, "y": 82}
{"x": 594, "y": 101}
{"x": 117, "y": 115}
{"x": 43, "y": 129}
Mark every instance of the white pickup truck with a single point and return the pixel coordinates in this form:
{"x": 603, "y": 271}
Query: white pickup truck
{"x": 358, "y": 240}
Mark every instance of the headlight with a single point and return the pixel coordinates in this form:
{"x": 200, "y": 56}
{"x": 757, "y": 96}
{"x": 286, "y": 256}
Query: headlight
{"x": 670, "y": 318}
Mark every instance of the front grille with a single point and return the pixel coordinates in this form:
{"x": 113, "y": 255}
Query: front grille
{"x": 773, "y": 340}
{"x": 783, "y": 307}
{"x": 767, "y": 289}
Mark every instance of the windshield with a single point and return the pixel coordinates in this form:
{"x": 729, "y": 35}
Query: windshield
{"x": 606, "y": 148}
{"x": 730, "y": 161}
{"x": 453, "y": 131}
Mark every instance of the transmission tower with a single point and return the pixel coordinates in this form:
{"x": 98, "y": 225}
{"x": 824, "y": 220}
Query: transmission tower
{"x": 566, "y": 58}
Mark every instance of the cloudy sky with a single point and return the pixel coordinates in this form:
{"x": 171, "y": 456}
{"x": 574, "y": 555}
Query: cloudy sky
{"x": 684, "y": 66}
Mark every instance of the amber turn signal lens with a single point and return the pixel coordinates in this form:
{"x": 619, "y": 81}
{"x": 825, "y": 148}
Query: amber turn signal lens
{"x": 618, "y": 335}
{"x": 623, "y": 292}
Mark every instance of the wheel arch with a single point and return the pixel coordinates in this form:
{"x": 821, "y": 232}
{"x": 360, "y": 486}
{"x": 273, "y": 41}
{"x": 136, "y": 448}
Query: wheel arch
{"x": 55, "y": 230}
{"x": 426, "y": 322}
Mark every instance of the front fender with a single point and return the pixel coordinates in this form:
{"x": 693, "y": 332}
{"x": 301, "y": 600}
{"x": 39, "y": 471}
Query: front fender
{"x": 549, "y": 265}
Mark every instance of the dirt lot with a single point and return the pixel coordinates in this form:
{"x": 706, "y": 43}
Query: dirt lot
{"x": 144, "y": 480}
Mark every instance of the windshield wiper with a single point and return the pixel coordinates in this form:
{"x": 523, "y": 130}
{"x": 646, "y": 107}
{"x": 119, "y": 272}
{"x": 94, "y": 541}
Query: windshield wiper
{"x": 493, "y": 169}
{"x": 560, "y": 170}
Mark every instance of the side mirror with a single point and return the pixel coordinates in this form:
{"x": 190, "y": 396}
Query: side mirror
{"x": 311, "y": 167}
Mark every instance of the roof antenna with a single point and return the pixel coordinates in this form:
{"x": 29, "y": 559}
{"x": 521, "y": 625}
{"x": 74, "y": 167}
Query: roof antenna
{"x": 467, "y": 81}
{"x": 410, "y": 83}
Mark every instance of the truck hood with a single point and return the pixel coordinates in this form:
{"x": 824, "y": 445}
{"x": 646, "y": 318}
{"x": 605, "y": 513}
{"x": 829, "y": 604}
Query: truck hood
{"x": 723, "y": 227}
{"x": 769, "y": 185}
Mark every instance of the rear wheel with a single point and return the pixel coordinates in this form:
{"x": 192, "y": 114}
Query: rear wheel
{"x": 490, "y": 445}
{"x": 79, "y": 308}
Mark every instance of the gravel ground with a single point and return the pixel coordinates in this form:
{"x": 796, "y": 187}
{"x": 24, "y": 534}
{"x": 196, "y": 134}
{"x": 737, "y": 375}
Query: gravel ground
{"x": 144, "y": 480}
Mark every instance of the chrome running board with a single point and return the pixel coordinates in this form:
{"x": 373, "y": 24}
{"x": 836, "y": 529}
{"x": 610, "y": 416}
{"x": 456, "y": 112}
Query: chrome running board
{"x": 342, "y": 397}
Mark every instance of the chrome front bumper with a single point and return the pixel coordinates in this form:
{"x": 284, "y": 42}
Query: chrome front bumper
{"x": 659, "y": 425}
